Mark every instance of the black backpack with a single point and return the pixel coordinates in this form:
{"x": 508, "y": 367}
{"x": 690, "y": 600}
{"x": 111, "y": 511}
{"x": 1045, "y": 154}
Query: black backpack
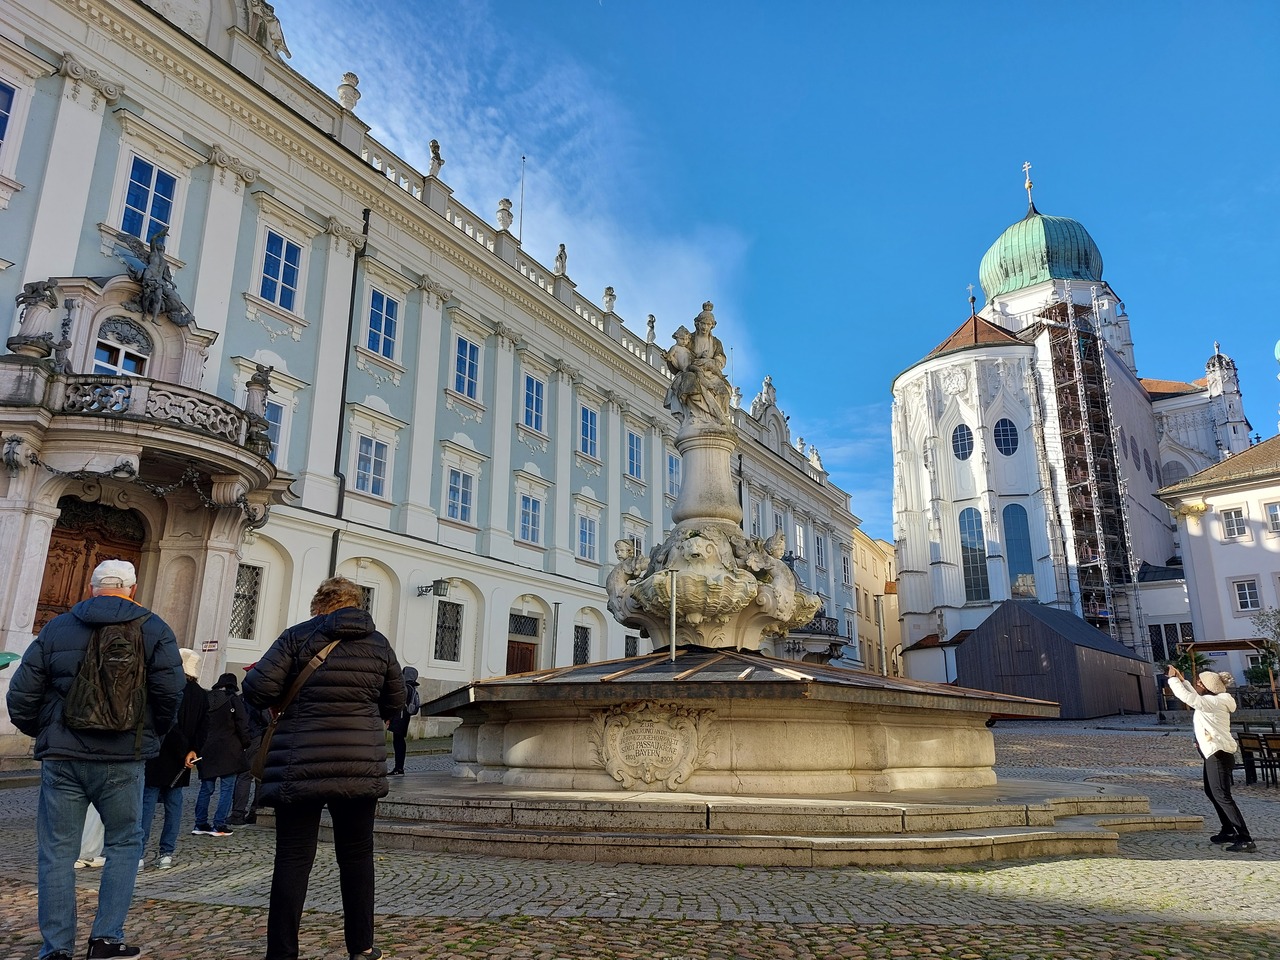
{"x": 110, "y": 691}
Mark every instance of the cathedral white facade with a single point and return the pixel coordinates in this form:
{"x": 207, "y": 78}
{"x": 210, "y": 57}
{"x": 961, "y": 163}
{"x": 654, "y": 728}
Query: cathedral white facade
{"x": 1028, "y": 451}
{"x": 250, "y": 348}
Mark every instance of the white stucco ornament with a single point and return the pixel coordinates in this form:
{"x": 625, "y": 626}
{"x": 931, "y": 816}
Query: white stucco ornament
{"x": 727, "y": 589}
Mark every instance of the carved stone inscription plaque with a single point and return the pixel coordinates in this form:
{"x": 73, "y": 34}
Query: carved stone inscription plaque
{"x": 646, "y": 742}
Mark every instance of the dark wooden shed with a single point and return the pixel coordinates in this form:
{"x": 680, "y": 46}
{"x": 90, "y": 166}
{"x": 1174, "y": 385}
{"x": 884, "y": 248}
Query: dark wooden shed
{"x": 1031, "y": 650}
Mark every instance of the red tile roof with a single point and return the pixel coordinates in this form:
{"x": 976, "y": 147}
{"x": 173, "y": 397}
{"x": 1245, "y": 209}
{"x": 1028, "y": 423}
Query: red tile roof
{"x": 1159, "y": 389}
{"x": 975, "y": 332}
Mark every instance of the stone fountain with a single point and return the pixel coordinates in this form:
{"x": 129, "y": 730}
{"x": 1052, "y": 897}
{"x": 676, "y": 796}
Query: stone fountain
{"x": 717, "y": 714}
{"x": 707, "y": 750}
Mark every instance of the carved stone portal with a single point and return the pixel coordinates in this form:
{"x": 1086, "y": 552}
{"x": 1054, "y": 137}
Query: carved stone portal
{"x": 649, "y": 743}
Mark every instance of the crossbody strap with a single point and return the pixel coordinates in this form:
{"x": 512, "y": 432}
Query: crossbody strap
{"x": 312, "y": 665}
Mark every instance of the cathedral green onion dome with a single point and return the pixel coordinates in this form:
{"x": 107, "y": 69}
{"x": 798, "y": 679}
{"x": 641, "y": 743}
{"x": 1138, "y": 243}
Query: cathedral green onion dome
{"x": 1039, "y": 248}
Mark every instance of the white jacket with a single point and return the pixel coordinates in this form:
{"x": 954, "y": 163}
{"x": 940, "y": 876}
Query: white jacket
{"x": 1212, "y": 719}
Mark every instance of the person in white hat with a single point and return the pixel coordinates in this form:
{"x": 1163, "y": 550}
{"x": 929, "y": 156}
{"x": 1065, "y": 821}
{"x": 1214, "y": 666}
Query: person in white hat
{"x": 1211, "y": 722}
{"x": 98, "y": 765}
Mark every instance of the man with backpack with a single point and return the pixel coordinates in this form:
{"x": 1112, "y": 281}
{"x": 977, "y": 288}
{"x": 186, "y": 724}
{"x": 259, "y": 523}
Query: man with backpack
{"x": 97, "y": 689}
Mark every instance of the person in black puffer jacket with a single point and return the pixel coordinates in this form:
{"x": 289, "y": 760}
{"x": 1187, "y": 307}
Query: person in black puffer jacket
{"x": 224, "y": 759}
{"x": 329, "y": 749}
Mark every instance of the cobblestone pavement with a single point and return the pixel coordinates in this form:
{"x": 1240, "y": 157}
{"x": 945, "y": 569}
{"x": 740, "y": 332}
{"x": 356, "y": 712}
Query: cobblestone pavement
{"x": 1165, "y": 895}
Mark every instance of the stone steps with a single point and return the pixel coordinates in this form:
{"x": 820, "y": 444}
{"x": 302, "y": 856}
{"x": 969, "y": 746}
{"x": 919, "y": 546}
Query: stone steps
{"x": 1013, "y": 820}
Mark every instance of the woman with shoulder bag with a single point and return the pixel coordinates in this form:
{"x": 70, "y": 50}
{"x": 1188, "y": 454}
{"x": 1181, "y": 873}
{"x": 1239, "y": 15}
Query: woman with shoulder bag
{"x": 327, "y": 749}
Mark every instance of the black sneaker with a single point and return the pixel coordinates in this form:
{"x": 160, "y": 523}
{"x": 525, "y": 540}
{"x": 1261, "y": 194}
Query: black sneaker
{"x": 373, "y": 953}
{"x": 1226, "y": 836}
{"x": 1243, "y": 846}
{"x": 202, "y": 830}
{"x": 59, "y": 955}
{"x": 100, "y": 947}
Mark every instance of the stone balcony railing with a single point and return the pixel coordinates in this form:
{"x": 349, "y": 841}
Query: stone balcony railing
{"x": 821, "y": 626}
{"x": 134, "y": 398}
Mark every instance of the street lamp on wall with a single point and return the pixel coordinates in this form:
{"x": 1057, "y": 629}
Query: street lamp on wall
{"x": 436, "y": 588}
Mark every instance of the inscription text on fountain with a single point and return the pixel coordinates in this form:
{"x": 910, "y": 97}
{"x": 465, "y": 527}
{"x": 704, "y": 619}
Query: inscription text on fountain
{"x": 649, "y": 743}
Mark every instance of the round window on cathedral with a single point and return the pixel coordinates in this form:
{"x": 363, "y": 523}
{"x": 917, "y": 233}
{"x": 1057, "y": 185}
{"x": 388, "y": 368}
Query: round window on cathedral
{"x": 1006, "y": 437}
{"x": 962, "y": 442}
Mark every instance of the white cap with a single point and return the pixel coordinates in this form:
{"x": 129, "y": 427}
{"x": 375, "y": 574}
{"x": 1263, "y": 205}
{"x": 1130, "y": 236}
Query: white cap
{"x": 114, "y": 570}
{"x": 190, "y": 662}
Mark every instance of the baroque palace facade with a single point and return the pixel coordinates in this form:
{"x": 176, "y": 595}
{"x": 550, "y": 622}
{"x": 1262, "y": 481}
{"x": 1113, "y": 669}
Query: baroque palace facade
{"x": 252, "y": 348}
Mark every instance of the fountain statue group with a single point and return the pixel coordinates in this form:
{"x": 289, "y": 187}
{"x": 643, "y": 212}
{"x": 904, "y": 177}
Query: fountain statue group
{"x": 730, "y": 590}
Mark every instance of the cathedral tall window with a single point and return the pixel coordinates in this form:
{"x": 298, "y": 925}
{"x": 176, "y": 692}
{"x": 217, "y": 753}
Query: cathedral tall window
{"x": 973, "y": 556}
{"x": 1017, "y": 539}
{"x": 148, "y": 200}
{"x": 1006, "y": 435}
{"x": 962, "y": 442}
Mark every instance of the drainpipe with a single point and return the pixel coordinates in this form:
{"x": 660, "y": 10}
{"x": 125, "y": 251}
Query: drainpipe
{"x": 346, "y": 376}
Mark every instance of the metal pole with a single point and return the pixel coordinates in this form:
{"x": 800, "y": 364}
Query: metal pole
{"x": 673, "y": 614}
{"x": 884, "y": 668}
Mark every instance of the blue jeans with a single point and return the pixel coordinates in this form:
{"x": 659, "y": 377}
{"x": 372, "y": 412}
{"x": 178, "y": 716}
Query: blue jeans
{"x": 67, "y": 788}
{"x": 225, "y": 796}
{"x": 171, "y": 798}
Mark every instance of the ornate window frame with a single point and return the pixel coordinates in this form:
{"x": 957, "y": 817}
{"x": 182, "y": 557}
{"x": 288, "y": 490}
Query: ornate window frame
{"x": 386, "y": 281}
{"x": 535, "y": 487}
{"x": 275, "y": 215}
{"x": 587, "y": 508}
{"x": 141, "y": 139}
{"x": 464, "y": 459}
{"x": 379, "y": 426}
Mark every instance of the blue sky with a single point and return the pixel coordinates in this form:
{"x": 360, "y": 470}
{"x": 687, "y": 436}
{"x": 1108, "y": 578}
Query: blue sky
{"x": 831, "y": 173}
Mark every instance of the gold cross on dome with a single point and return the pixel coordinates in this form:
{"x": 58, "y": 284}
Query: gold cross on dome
{"x": 1026, "y": 170}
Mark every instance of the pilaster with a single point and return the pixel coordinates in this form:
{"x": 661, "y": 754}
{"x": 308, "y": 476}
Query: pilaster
{"x": 497, "y": 540}
{"x": 211, "y": 301}
{"x": 64, "y": 194}
{"x": 418, "y": 518}
{"x": 319, "y": 485}
{"x": 562, "y": 531}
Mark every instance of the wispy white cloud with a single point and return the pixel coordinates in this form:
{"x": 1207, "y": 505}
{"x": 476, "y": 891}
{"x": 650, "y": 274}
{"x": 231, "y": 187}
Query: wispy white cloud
{"x": 851, "y": 441}
{"x": 491, "y": 98}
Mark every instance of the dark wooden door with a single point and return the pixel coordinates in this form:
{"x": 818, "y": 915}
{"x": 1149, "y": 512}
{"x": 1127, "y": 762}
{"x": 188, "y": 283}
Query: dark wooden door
{"x": 521, "y": 657}
{"x": 84, "y": 535}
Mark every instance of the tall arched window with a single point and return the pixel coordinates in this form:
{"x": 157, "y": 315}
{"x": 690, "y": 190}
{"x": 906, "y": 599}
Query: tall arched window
{"x": 1017, "y": 548}
{"x": 973, "y": 556}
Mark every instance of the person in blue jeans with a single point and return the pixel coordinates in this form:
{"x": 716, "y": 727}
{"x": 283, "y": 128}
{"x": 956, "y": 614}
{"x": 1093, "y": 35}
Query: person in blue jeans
{"x": 169, "y": 773}
{"x": 82, "y": 767}
{"x": 222, "y": 756}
